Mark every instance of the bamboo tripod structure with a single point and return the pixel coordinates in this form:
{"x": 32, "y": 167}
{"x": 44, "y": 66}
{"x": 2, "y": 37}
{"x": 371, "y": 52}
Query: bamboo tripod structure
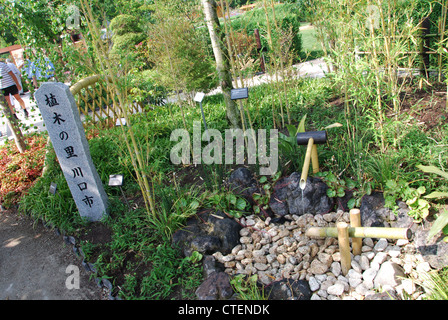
{"x": 344, "y": 232}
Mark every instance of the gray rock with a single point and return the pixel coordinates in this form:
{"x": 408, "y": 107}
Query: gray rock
{"x": 386, "y": 295}
{"x": 380, "y": 245}
{"x": 314, "y": 284}
{"x": 435, "y": 251}
{"x": 336, "y": 268}
{"x": 389, "y": 275}
{"x": 318, "y": 267}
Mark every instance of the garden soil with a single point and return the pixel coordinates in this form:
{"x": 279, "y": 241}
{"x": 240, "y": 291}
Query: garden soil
{"x": 34, "y": 262}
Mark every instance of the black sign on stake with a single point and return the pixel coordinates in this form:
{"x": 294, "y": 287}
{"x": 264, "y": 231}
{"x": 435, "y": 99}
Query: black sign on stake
{"x": 53, "y": 188}
{"x": 241, "y": 93}
{"x": 198, "y": 98}
{"x": 116, "y": 180}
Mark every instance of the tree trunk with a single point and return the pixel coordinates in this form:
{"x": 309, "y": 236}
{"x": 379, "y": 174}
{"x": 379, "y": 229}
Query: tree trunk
{"x": 222, "y": 62}
{"x": 13, "y": 124}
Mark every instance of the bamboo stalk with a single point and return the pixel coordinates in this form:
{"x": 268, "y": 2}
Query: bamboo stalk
{"x": 132, "y": 145}
{"x": 344, "y": 247}
{"x": 355, "y": 221}
{"x": 306, "y": 164}
{"x": 362, "y": 232}
{"x": 315, "y": 159}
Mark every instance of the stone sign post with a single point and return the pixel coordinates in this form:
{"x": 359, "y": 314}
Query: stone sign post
{"x": 60, "y": 114}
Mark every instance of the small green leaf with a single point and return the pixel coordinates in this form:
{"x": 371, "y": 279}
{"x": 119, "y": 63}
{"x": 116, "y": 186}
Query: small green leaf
{"x": 231, "y": 198}
{"x": 263, "y": 179}
{"x": 351, "y": 203}
{"x": 391, "y": 184}
{"x": 277, "y": 175}
{"x": 421, "y": 190}
{"x": 194, "y": 204}
{"x": 241, "y": 204}
{"x": 331, "y": 193}
{"x": 350, "y": 183}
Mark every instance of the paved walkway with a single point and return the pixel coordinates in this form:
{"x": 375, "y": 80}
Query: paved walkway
{"x": 34, "y": 262}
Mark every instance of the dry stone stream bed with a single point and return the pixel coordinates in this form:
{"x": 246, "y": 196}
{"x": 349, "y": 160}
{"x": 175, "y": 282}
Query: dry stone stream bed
{"x": 282, "y": 251}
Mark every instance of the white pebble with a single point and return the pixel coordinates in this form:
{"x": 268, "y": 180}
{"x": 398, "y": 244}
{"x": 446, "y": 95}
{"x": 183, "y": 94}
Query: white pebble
{"x": 314, "y": 284}
{"x": 369, "y": 274}
{"x": 337, "y": 289}
{"x": 380, "y": 245}
{"x": 336, "y": 268}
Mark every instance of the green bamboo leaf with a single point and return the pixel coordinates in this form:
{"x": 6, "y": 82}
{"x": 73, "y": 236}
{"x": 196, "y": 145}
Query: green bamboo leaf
{"x": 439, "y": 224}
{"x": 301, "y": 127}
{"x": 437, "y": 194}
{"x": 433, "y": 169}
{"x": 334, "y": 125}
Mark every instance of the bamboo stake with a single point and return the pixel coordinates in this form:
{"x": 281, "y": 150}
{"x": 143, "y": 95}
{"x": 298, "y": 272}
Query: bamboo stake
{"x": 362, "y": 232}
{"x": 344, "y": 247}
{"x": 355, "y": 221}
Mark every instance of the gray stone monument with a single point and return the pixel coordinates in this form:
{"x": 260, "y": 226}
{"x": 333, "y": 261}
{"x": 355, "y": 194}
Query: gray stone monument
{"x": 60, "y": 114}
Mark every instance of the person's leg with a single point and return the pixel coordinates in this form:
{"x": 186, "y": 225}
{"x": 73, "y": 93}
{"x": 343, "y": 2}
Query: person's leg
{"x": 8, "y": 100}
{"x": 22, "y": 104}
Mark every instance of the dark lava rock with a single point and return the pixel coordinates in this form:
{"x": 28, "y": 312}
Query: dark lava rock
{"x": 208, "y": 233}
{"x": 216, "y": 287}
{"x": 242, "y": 182}
{"x": 289, "y": 198}
{"x": 373, "y": 212}
{"x": 288, "y": 289}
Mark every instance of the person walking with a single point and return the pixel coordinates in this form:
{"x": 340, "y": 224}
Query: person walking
{"x": 9, "y": 84}
{"x": 16, "y": 71}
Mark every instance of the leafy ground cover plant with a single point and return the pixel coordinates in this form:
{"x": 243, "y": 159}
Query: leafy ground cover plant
{"x": 441, "y": 224}
{"x": 18, "y": 171}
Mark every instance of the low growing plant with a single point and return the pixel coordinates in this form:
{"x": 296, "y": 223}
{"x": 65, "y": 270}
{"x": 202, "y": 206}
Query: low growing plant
{"x": 400, "y": 189}
{"x": 441, "y": 224}
{"x": 247, "y": 288}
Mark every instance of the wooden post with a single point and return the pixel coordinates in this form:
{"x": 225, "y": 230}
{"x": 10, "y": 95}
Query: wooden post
{"x": 344, "y": 247}
{"x": 355, "y": 221}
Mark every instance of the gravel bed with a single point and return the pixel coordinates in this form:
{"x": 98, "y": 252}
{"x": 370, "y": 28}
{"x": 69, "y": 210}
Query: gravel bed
{"x": 277, "y": 251}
